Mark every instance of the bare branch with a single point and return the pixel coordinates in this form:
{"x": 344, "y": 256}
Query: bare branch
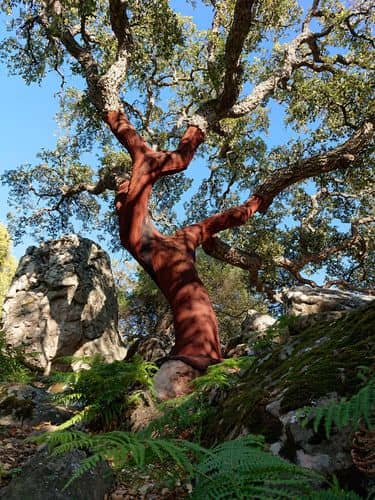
{"x": 126, "y": 133}
{"x": 178, "y": 160}
{"x": 239, "y": 30}
{"x": 215, "y": 247}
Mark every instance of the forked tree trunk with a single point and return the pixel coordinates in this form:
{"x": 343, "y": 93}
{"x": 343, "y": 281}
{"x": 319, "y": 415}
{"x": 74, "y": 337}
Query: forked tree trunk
{"x": 170, "y": 260}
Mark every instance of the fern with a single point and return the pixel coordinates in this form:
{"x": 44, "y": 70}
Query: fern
{"x": 359, "y": 407}
{"x": 186, "y": 415}
{"x": 238, "y": 469}
{"x": 241, "y": 469}
{"x": 221, "y": 375}
{"x": 333, "y": 495}
{"x": 122, "y": 449}
{"x": 102, "y": 393}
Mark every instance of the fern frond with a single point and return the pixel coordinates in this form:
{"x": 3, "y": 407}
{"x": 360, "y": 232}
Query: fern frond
{"x": 242, "y": 469}
{"x": 86, "y": 465}
{"x": 105, "y": 390}
{"x": 85, "y": 415}
{"x": 333, "y": 495}
{"x": 123, "y": 448}
{"x": 221, "y": 375}
{"x": 359, "y": 407}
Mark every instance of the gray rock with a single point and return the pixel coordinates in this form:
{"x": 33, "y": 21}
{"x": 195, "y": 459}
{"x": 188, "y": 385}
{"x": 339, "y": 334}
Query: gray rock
{"x": 62, "y": 302}
{"x": 173, "y": 379}
{"x": 305, "y": 300}
{"x": 155, "y": 346}
{"x": 44, "y": 478}
{"x": 256, "y": 322}
{"x": 26, "y": 404}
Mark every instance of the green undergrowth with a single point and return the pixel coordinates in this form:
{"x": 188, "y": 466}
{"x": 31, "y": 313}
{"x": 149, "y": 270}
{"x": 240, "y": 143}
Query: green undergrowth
{"x": 323, "y": 359}
{"x": 12, "y": 368}
{"x": 102, "y": 394}
{"x": 355, "y": 411}
{"x": 237, "y": 469}
{"x": 186, "y": 416}
{"x": 123, "y": 449}
{"x": 191, "y": 438}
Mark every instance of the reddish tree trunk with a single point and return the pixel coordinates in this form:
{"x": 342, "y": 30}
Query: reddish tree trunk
{"x": 170, "y": 260}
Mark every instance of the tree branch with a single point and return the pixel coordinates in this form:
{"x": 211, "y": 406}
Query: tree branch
{"x": 242, "y": 20}
{"x": 217, "y": 248}
{"x": 126, "y": 133}
{"x": 339, "y": 158}
{"x": 109, "y": 85}
{"x": 178, "y": 160}
{"x": 202, "y": 231}
{"x": 211, "y": 112}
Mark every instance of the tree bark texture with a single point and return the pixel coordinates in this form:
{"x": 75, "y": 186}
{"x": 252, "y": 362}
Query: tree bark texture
{"x": 170, "y": 260}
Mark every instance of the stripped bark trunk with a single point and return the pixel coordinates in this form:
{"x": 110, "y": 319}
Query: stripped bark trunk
{"x": 170, "y": 260}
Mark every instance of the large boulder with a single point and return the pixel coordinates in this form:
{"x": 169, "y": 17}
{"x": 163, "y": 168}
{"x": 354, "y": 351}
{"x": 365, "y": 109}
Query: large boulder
{"x": 256, "y": 322}
{"x": 44, "y": 477}
{"x": 62, "y": 302}
{"x": 303, "y": 300}
{"x": 323, "y": 363}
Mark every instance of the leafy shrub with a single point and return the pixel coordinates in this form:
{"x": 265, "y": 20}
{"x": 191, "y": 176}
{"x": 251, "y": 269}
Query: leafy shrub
{"x": 105, "y": 391}
{"x": 12, "y": 368}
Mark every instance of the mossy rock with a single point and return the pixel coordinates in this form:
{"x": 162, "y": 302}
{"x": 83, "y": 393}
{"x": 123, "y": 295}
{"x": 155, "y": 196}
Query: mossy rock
{"x": 324, "y": 359}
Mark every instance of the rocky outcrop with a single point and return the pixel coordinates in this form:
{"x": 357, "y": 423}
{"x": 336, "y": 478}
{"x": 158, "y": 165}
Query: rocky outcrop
{"x": 62, "y": 302}
{"x": 23, "y": 404}
{"x": 253, "y": 328}
{"x": 306, "y": 305}
{"x": 153, "y": 347}
{"x": 256, "y": 322}
{"x": 308, "y": 300}
{"x": 322, "y": 363}
{"x": 44, "y": 478}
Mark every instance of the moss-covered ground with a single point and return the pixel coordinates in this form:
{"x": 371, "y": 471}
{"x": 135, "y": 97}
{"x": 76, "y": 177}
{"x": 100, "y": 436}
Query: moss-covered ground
{"x": 325, "y": 358}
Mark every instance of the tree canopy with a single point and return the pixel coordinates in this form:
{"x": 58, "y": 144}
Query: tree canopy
{"x": 313, "y": 63}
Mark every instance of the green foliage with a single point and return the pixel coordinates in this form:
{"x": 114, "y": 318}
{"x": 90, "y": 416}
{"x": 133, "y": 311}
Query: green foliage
{"x": 359, "y": 408}
{"x": 121, "y": 449}
{"x": 105, "y": 391}
{"x": 12, "y": 368}
{"x": 242, "y": 469}
{"x": 175, "y": 64}
{"x": 230, "y": 296}
{"x": 237, "y": 469}
{"x": 221, "y": 375}
{"x": 332, "y": 495}
{"x": 8, "y": 264}
{"x": 186, "y": 416}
